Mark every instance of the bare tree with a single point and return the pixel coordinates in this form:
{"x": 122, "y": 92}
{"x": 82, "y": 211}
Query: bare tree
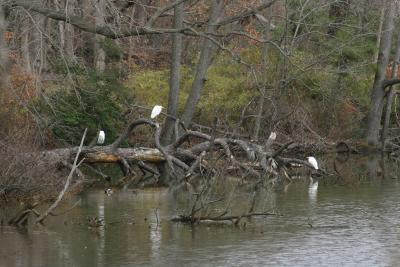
{"x": 69, "y": 31}
{"x": 26, "y": 57}
{"x": 203, "y": 64}
{"x": 391, "y": 94}
{"x": 33, "y": 41}
{"x": 99, "y": 54}
{"x": 378, "y": 93}
{"x": 379, "y": 33}
{"x": 263, "y": 85}
{"x": 175, "y": 76}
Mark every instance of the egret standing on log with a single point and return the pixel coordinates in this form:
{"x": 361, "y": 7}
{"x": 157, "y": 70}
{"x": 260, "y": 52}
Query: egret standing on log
{"x": 313, "y": 162}
{"x": 101, "y": 138}
{"x": 156, "y": 111}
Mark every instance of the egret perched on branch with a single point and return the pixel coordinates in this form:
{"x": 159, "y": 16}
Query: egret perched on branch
{"x": 101, "y": 137}
{"x": 156, "y": 111}
{"x": 272, "y": 136}
{"x": 313, "y": 162}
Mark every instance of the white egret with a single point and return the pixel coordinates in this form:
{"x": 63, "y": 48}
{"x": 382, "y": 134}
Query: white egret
{"x": 156, "y": 111}
{"x": 313, "y": 162}
{"x": 272, "y": 136}
{"x": 108, "y": 191}
{"x": 101, "y": 138}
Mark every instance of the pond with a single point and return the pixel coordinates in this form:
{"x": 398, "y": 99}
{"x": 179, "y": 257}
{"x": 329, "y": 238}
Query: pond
{"x": 351, "y": 220}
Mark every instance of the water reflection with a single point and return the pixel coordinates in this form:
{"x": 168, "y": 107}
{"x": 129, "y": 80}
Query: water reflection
{"x": 354, "y": 222}
{"x": 312, "y": 191}
{"x": 101, "y": 232}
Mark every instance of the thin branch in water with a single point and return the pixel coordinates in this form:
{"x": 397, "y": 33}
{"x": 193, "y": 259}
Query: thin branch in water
{"x": 69, "y": 178}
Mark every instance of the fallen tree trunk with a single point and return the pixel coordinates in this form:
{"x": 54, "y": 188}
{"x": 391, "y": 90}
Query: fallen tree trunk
{"x": 99, "y": 155}
{"x": 190, "y": 155}
{"x": 104, "y": 154}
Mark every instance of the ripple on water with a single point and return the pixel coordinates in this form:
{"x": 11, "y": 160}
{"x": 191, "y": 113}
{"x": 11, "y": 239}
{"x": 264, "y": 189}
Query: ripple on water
{"x": 350, "y": 227}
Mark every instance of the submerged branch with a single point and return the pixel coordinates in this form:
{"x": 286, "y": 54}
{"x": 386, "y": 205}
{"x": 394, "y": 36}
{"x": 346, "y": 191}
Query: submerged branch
{"x": 190, "y": 219}
{"x": 75, "y": 166}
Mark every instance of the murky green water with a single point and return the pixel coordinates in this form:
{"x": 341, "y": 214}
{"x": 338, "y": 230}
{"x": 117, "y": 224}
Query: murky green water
{"x": 353, "y": 220}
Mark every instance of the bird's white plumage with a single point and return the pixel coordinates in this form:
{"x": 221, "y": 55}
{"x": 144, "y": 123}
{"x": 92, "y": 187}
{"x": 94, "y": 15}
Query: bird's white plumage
{"x": 108, "y": 191}
{"x": 313, "y": 162}
{"x": 101, "y": 138}
{"x": 272, "y": 136}
{"x": 156, "y": 111}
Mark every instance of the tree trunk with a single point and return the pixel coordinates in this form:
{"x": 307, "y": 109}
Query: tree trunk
{"x": 140, "y": 12}
{"x": 26, "y": 59}
{"x": 378, "y": 93}
{"x": 38, "y": 45}
{"x": 379, "y": 33}
{"x": 175, "y": 76}
{"x": 33, "y": 42}
{"x": 3, "y": 49}
{"x": 202, "y": 65}
{"x": 61, "y": 33}
{"x": 99, "y": 54}
{"x": 392, "y": 92}
{"x": 69, "y": 31}
{"x": 388, "y": 112}
{"x": 263, "y": 90}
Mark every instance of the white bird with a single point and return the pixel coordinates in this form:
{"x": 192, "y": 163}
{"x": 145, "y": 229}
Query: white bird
{"x": 101, "y": 137}
{"x": 156, "y": 111}
{"x": 272, "y": 136}
{"x": 108, "y": 191}
{"x": 313, "y": 162}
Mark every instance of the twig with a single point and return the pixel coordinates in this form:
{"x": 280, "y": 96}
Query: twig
{"x": 69, "y": 178}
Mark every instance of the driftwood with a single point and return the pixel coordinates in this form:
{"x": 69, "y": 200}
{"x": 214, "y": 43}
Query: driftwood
{"x": 185, "y": 157}
{"x": 232, "y": 218}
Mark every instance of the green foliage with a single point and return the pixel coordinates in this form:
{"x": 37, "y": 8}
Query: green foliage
{"x": 225, "y": 90}
{"x": 95, "y": 103}
{"x": 150, "y": 87}
{"x": 358, "y": 87}
{"x": 65, "y": 66}
{"x": 112, "y": 50}
{"x": 350, "y": 50}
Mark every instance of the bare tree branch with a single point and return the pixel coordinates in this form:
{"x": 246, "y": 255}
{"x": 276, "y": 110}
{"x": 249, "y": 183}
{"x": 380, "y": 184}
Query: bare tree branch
{"x": 75, "y": 166}
{"x": 247, "y": 13}
{"x": 162, "y": 10}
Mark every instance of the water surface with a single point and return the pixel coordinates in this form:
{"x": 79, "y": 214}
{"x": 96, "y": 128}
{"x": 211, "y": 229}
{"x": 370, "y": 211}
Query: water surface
{"x": 353, "y": 220}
